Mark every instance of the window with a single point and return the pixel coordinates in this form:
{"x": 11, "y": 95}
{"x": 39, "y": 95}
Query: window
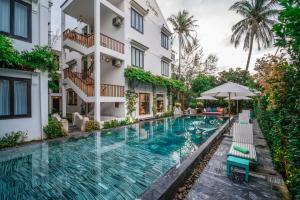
{"x": 72, "y": 98}
{"x": 164, "y": 68}
{"x": 144, "y": 103}
{"x": 164, "y": 41}
{"x": 15, "y": 19}
{"x": 15, "y": 98}
{"x": 160, "y": 103}
{"x": 137, "y": 57}
{"x": 137, "y": 21}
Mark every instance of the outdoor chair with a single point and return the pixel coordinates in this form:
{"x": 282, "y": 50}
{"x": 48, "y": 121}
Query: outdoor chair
{"x": 243, "y": 133}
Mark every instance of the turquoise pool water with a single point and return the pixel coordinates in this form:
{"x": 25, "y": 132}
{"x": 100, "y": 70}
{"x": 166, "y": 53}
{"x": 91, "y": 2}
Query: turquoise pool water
{"x": 116, "y": 164}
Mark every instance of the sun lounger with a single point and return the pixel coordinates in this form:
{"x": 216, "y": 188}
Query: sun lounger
{"x": 251, "y": 156}
{"x": 243, "y": 133}
{"x": 244, "y": 118}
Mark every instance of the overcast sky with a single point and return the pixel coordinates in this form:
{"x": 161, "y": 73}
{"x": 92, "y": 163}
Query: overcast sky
{"x": 214, "y": 21}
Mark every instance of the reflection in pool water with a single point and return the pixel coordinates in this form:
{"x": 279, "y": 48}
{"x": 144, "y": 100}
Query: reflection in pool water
{"x": 116, "y": 164}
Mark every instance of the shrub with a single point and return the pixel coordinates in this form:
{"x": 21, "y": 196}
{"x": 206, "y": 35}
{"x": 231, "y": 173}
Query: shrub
{"x": 54, "y": 129}
{"x": 92, "y": 125}
{"x": 12, "y": 139}
{"x": 169, "y": 113}
{"x": 111, "y": 124}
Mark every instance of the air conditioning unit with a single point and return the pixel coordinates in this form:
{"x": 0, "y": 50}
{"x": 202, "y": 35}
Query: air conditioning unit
{"x": 117, "y": 63}
{"x": 117, "y": 21}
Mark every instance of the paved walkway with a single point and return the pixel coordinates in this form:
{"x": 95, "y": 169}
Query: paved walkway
{"x": 264, "y": 181}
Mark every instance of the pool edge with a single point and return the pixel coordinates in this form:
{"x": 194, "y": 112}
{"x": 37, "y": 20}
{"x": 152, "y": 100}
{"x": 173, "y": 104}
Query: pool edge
{"x": 165, "y": 186}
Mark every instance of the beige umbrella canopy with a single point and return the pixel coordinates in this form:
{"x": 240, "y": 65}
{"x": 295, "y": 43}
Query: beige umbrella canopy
{"x": 238, "y": 98}
{"x": 229, "y": 90}
{"x": 207, "y": 98}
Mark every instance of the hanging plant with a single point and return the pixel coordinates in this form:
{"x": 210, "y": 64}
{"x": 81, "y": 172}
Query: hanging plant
{"x": 133, "y": 74}
{"x": 131, "y": 101}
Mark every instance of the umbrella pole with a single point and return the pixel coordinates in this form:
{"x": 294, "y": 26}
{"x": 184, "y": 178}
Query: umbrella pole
{"x": 229, "y": 110}
{"x": 237, "y": 107}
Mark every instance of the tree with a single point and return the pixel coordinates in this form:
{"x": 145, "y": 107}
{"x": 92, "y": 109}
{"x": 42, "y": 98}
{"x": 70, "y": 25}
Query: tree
{"x": 184, "y": 26}
{"x": 193, "y": 63}
{"x": 237, "y": 75}
{"x": 203, "y": 83}
{"x": 258, "y": 19}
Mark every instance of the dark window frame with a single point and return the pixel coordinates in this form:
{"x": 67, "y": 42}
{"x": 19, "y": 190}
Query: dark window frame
{"x": 140, "y": 53}
{"x": 164, "y": 40}
{"x": 134, "y": 25}
{"x": 163, "y": 69}
{"x": 11, "y": 22}
{"x": 11, "y": 98}
{"x": 74, "y": 101}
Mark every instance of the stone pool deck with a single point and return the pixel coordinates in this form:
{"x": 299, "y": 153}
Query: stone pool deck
{"x": 264, "y": 181}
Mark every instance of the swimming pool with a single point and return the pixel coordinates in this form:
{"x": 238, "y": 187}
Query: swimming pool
{"x": 115, "y": 164}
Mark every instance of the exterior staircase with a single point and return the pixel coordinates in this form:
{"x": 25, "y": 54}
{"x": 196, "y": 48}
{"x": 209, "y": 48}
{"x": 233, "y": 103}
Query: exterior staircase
{"x": 83, "y": 85}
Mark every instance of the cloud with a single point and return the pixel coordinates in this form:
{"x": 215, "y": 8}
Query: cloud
{"x": 214, "y": 31}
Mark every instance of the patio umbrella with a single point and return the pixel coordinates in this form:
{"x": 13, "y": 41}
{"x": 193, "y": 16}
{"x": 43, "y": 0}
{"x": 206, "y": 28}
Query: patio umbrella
{"x": 206, "y": 98}
{"x": 237, "y": 98}
{"x": 229, "y": 90}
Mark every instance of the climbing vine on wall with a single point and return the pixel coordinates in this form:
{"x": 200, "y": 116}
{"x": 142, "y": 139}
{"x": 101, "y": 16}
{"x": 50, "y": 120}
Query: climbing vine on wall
{"x": 131, "y": 101}
{"x": 135, "y": 75}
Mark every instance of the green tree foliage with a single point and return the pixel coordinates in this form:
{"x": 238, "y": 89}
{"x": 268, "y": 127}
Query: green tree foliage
{"x": 278, "y": 110}
{"x": 258, "y": 19}
{"x": 237, "y": 75}
{"x": 203, "y": 83}
{"x": 288, "y": 28}
{"x": 184, "y": 26}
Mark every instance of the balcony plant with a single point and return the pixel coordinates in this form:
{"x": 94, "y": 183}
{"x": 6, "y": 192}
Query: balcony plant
{"x": 38, "y": 59}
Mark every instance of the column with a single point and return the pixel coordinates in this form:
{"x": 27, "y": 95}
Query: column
{"x": 97, "y": 108}
{"x": 62, "y": 64}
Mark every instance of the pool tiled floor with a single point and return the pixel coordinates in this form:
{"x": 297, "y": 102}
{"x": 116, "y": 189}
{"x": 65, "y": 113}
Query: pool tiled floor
{"x": 264, "y": 181}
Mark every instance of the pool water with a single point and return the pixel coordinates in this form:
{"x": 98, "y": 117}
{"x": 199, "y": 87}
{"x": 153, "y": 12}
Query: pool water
{"x": 115, "y": 164}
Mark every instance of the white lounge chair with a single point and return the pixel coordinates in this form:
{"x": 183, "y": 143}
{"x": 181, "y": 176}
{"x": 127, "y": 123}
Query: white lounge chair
{"x": 251, "y": 156}
{"x": 243, "y": 133}
{"x": 244, "y": 118}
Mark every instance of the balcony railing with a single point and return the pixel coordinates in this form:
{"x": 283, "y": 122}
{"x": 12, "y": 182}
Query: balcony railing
{"x": 89, "y": 40}
{"x": 112, "y": 90}
{"x": 86, "y": 84}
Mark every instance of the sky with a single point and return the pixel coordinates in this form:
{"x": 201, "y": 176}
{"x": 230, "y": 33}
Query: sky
{"x": 214, "y": 29}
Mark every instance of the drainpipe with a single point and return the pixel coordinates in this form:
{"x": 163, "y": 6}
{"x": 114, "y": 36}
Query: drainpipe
{"x": 40, "y": 99}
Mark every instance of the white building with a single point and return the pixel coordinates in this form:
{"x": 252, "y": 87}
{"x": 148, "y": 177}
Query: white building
{"x": 24, "y": 94}
{"x": 112, "y": 35}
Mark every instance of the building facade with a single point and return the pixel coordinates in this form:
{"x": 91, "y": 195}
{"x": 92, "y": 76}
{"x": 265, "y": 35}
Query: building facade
{"x": 112, "y": 35}
{"x": 24, "y": 94}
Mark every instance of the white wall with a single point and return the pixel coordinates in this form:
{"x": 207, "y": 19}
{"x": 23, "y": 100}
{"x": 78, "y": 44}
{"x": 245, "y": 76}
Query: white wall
{"x": 150, "y": 38}
{"x": 111, "y": 74}
{"x": 39, "y": 111}
{"x": 39, "y": 87}
{"x": 109, "y": 109}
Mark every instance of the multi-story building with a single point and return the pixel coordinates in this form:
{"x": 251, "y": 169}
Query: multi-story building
{"x": 111, "y": 36}
{"x": 24, "y": 94}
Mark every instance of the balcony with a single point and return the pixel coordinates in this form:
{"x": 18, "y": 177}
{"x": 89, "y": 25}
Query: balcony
{"x": 89, "y": 40}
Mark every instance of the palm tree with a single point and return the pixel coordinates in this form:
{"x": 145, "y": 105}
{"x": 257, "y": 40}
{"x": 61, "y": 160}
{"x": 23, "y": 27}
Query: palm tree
{"x": 258, "y": 19}
{"x": 184, "y": 25}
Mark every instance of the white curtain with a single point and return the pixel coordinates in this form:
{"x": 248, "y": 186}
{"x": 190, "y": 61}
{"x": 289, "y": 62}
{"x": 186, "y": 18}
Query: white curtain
{"x": 4, "y": 15}
{"x": 4, "y": 97}
{"x": 20, "y": 22}
{"x": 20, "y": 97}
